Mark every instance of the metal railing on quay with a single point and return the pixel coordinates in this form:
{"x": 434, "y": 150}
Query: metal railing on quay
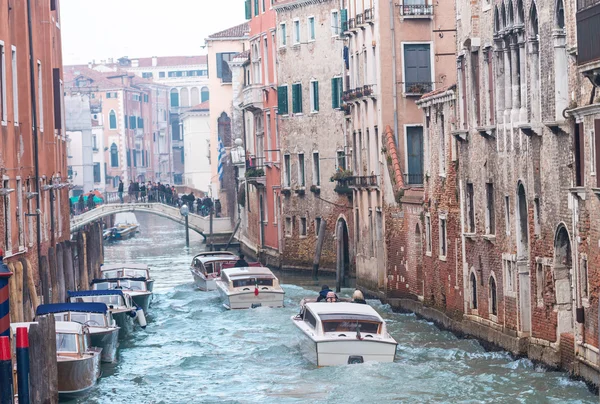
{"x": 416, "y": 10}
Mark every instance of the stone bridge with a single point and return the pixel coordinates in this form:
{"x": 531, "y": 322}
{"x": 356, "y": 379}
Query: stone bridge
{"x": 200, "y": 224}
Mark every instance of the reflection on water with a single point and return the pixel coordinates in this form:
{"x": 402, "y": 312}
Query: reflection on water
{"x": 195, "y": 351}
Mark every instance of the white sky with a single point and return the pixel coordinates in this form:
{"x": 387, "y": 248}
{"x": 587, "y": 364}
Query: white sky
{"x": 102, "y": 29}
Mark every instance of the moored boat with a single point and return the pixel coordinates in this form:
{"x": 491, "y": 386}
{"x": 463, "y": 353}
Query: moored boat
{"x": 206, "y": 269}
{"x": 104, "y": 332}
{"x": 120, "y": 305}
{"x": 128, "y": 270}
{"x": 136, "y": 288}
{"x": 124, "y": 231}
{"x": 250, "y": 287}
{"x": 343, "y": 333}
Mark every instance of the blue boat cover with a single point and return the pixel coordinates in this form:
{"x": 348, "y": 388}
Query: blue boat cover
{"x": 142, "y": 279}
{"x": 82, "y": 293}
{"x": 64, "y": 307}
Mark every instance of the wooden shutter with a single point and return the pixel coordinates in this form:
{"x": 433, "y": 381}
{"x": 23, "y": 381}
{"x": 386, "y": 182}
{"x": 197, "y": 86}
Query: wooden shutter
{"x": 248, "y": 11}
{"x": 334, "y": 100}
{"x": 58, "y": 96}
{"x": 417, "y": 64}
{"x": 344, "y": 20}
{"x": 579, "y": 155}
{"x": 294, "y": 98}
{"x": 219, "y": 65}
{"x": 316, "y": 95}
{"x": 597, "y": 147}
{"x": 282, "y": 100}
{"x": 52, "y": 5}
{"x": 126, "y": 123}
{"x": 255, "y": 7}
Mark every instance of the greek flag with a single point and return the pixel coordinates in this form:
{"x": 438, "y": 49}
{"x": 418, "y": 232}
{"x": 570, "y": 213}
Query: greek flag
{"x": 222, "y": 156}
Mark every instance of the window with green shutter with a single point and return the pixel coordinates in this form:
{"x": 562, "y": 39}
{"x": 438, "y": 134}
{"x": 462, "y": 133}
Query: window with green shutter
{"x": 282, "y": 100}
{"x": 126, "y": 122}
{"x": 248, "y": 10}
{"x": 344, "y": 18}
{"x": 314, "y": 96}
{"x": 255, "y": 7}
{"x": 297, "y": 98}
{"x": 336, "y": 92}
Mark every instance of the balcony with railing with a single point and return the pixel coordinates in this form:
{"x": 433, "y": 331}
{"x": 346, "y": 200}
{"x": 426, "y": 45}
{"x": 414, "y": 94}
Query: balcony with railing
{"x": 416, "y": 10}
{"x": 369, "y": 181}
{"x": 359, "y": 19}
{"x": 255, "y": 171}
{"x": 253, "y": 97}
{"x": 417, "y": 89}
{"x": 588, "y": 32}
{"x": 358, "y": 93}
{"x": 414, "y": 180}
{"x": 369, "y": 15}
{"x": 351, "y": 24}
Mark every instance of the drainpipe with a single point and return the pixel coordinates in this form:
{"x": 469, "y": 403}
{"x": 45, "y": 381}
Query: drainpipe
{"x": 394, "y": 78}
{"x": 576, "y": 275}
{"x": 34, "y": 125}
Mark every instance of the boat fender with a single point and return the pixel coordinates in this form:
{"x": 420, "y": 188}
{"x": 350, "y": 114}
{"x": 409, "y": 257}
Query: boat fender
{"x": 141, "y": 318}
{"x": 133, "y": 314}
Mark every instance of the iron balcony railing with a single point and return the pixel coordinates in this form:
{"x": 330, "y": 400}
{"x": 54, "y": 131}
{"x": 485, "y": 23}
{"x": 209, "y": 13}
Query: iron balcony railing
{"x": 369, "y": 14}
{"x": 415, "y": 180}
{"x": 363, "y": 181}
{"x": 358, "y": 92}
{"x": 583, "y": 4}
{"x": 418, "y": 88}
{"x": 416, "y": 10}
{"x": 359, "y": 19}
{"x": 351, "y": 23}
{"x": 588, "y": 31}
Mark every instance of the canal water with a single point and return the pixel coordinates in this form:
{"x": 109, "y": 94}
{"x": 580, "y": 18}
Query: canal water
{"x": 195, "y": 351}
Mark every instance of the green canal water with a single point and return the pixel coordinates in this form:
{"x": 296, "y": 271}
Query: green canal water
{"x": 195, "y": 351}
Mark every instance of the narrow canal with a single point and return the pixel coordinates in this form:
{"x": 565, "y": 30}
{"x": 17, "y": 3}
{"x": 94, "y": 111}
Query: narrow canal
{"x": 194, "y": 351}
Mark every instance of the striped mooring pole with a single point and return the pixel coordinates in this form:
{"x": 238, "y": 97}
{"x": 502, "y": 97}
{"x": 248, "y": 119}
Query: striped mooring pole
{"x": 6, "y": 377}
{"x": 4, "y": 302}
{"x": 23, "y": 364}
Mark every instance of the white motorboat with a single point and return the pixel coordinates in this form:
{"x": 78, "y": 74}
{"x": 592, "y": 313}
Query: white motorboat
{"x": 344, "y": 333}
{"x": 134, "y": 287}
{"x": 128, "y": 271}
{"x": 250, "y": 287}
{"x": 103, "y": 329}
{"x": 123, "y": 310}
{"x": 207, "y": 269}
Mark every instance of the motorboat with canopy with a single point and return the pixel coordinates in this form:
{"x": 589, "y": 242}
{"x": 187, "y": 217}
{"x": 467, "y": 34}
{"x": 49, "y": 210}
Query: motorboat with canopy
{"x": 249, "y": 287}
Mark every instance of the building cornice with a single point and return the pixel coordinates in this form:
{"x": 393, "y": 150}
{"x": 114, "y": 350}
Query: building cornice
{"x": 292, "y": 5}
{"x": 582, "y": 112}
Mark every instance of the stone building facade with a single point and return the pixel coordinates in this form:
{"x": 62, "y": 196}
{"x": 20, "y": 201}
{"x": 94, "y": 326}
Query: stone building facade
{"x": 313, "y": 139}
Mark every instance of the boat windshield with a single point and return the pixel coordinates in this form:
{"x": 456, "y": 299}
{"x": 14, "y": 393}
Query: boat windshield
{"x": 66, "y": 342}
{"x": 238, "y": 283}
{"x": 92, "y": 319}
{"x": 110, "y": 274}
{"x": 351, "y": 326}
{"x": 105, "y": 286}
{"x": 209, "y": 268}
{"x": 109, "y": 300}
{"x": 133, "y": 285}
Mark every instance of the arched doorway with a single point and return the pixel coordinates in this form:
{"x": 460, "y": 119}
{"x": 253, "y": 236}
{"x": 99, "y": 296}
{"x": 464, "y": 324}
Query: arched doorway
{"x": 343, "y": 254}
{"x": 563, "y": 286}
{"x": 419, "y": 262}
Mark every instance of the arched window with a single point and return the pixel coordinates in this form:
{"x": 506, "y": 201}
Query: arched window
{"x": 497, "y": 25}
{"x": 522, "y": 234}
{"x": 533, "y": 22}
{"x": 112, "y": 119}
{"x": 520, "y": 12}
{"x": 509, "y": 13}
{"x": 560, "y": 14}
{"x": 493, "y": 297}
{"x": 473, "y": 291}
{"x": 204, "y": 94}
{"x": 195, "y": 94}
{"x": 503, "y": 11}
{"x": 174, "y": 98}
{"x": 224, "y": 129}
{"x": 114, "y": 155}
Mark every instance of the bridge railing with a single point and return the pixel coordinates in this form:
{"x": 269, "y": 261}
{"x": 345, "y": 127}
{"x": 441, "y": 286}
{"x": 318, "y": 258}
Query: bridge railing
{"x": 200, "y": 207}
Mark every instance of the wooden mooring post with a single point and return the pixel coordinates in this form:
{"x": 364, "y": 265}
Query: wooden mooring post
{"x": 43, "y": 374}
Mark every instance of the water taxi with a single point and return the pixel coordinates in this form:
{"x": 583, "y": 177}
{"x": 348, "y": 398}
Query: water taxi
{"x": 121, "y": 306}
{"x": 344, "y": 333}
{"x": 250, "y": 287}
{"x": 103, "y": 329}
{"x": 128, "y": 271}
{"x": 134, "y": 287}
{"x": 206, "y": 269}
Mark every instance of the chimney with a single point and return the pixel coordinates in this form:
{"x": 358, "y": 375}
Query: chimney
{"x": 135, "y": 63}
{"x": 154, "y": 61}
{"x": 110, "y": 61}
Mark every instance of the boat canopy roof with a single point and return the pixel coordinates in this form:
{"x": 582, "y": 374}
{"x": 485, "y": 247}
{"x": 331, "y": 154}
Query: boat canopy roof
{"x": 68, "y": 327}
{"x": 66, "y": 307}
{"x": 108, "y": 280}
{"x": 215, "y": 254}
{"x": 83, "y": 293}
{"x": 248, "y": 272}
{"x": 221, "y": 258}
{"x": 107, "y": 267}
{"x": 338, "y": 310}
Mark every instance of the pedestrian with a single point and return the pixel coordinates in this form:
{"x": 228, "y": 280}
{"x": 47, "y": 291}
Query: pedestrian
{"x": 90, "y": 201}
{"x": 120, "y": 191}
{"x": 241, "y": 263}
{"x": 191, "y": 199}
{"x": 131, "y": 191}
{"x": 143, "y": 191}
{"x": 81, "y": 204}
{"x": 217, "y": 208}
{"x": 136, "y": 190}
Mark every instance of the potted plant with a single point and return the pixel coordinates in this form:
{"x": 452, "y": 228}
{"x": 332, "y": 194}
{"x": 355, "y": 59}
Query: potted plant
{"x": 341, "y": 174}
{"x": 315, "y": 189}
{"x": 255, "y": 172}
{"x": 300, "y": 191}
{"x": 286, "y": 191}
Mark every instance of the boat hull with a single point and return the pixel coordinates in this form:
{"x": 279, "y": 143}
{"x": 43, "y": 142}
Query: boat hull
{"x": 108, "y": 340}
{"x": 124, "y": 321}
{"x": 77, "y": 375}
{"x": 248, "y": 300}
{"x": 345, "y": 351}
{"x": 142, "y": 300}
{"x": 150, "y": 285}
{"x": 202, "y": 283}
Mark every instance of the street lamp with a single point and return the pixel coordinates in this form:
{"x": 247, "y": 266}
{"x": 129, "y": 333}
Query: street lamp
{"x": 185, "y": 211}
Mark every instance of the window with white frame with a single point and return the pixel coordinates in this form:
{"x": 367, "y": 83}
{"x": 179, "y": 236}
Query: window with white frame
{"x": 428, "y": 232}
{"x": 3, "y": 83}
{"x": 268, "y": 140}
{"x": 275, "y": 207}
{"x": 335, "y": 23}
{"x": 314, "y": 96}
{"x": 283, "y": 34}
{"x": 303, "y": 229}
{"x": 15, "y": 86}
{"x": 490, "y": 216}
{"x": 316, "y": 169}
{"x": 443, "y": 236}
{"x": 287, "y": 171}
{"x": 296, "y": 32}
{"x": 317, "y": 226}
{"x": 301, "y": 171}
{"x": 288, "y": 226}
{"x": 311, "y": 29}
{"x": 509, "y": 265}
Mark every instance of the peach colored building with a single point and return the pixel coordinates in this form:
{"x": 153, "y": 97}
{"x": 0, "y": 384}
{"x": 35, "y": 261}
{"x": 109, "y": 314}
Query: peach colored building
{"x": 34, "y": 213}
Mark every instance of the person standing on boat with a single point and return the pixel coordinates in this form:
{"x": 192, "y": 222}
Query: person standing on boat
{"x": 241, "y": 263}
{"x": 358, "y": 297}
{"x": 324, "y": 292}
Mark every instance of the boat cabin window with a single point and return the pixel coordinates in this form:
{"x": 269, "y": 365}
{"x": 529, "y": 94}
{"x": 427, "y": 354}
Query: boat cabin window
{"x": 66, "y": 342}
{"x": 341, "y": 325}
{"x": 105, "y": 286}
{"x": 61, "y": 316}
{"x": 238, "y": 283}
{"x": 197, "y": 263}
{"x": 109, "y": 300}
{"x": 209, "y": 268}
{"x": 133, "y": 285}
{"x": 91, "y": 319}
{"x": 110, "y": 274}
{"x": 137, "y": 273}
{"x": 310, "y": 319}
